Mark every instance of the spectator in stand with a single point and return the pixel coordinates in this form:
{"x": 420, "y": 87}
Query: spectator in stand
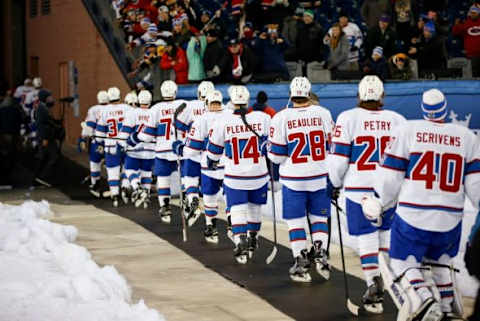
{"x": 261, "y": 105}
{"x": 164, "y": 22}
{"x": 239, "y": 63}
{"x": 354, "y": 36}
{"x": 271, "y": 48}
{"x": 291, "y": 25}
{"x": 149, "y": 36}
{"x": 372, "y": 10}
{"x": 181, "y": 33}
{"x": 441, "y": 26}
{"x": 248, "y": 35}
{"x": 382, "y": 35}
{"x": 310, "y": 4}
{"x": 430, "y": 51}
{"x": 214, "y": 56}
{"x": 209, "y": 24}
{"x": 469, "y": 31}
{"x": 309, "y": 39}
{"x": 404, "y": 12}
{"x": 376, "y": 65}
{"x": 195, "y": 54}
{"x": 339, "y": 49}
{"x": 192, "y": 12}
{"x": 174, "y": 58}
{"x": 399, "y": 67}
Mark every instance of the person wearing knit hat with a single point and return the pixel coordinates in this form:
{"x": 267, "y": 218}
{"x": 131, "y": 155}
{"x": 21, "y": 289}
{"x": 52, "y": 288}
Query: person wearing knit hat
{"x": 309, "y": 13}
{"x": 377, "y": 64}
{"x": 469, "y": 31}
{"x": 429, "y": 30}
{"x": 152, "y": 30}
{"x": 434, "y": 105}
{"x": 377, "y": 53}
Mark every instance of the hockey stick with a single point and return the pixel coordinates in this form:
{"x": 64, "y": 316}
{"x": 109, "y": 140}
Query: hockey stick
{"x": 182, "y": 209}
{"x": 272, "y": 255}
{"x": 353, "y": 308}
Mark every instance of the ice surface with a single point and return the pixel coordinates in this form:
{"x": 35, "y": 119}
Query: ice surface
{"x": 45, "y": 276}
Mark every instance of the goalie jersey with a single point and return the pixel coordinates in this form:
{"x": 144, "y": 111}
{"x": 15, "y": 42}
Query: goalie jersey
{"x": 135, "y": 121}
{"x": 359, "y": 140}
{"x": 185, "y": 119}
{"x": 299, "y": 143}
{"x": 160, "y": 128}
{"x": 429, "y": 167}
{"x": 245, "y": 166}
{"x": 109, "y": 126}
{"x": 197, "y": 140}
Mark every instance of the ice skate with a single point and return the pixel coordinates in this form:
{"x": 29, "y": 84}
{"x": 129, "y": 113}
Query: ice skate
{"x": 115, "y": 200}
{"x": 373, "y": 298}
{"x": 126, "y": 193}
{"x": 299, "y": 270}
{"x": 146, "y": 203}
{"x": 429, "y": 311}
{"x": 229, "y": 228}
{"x": 141, "y": 196}
{"x": 252, "y": 241}
{"x": 165, "y": 212}
{"x": 241, "y": 250}
{"x": 318, "y": 256}
{"x": 194, "y": 211}
{"x": 211, "y": 233}
{"x": 94, "y": 189}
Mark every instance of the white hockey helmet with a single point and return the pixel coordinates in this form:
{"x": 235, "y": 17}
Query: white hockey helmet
{"x": 37, "y": 82}
{"x": 214, "y": 96}
{"x": 204, "y": 88}
{"x": 239, "y": 95}
{"x": 370, "y": 88}
{"x": 434, "y": 105}
{"x": 144, "y": 97}
{"x": 131, "y": 98}
{"x": 27, "y": 82}
{"x": 168, "y": 89}
{"x": 300, "y": 87}
{"x": 113, "y": 94}
{"x": 102, "y": 97}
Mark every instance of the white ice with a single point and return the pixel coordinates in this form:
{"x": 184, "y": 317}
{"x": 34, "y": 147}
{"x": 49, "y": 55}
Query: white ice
{"x": 44, "y": 275}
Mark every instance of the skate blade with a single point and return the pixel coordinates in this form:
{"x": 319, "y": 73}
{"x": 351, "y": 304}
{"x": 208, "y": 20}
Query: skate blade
{"x": 375, "y": 308}
{"x": 106, "y": 194}
{"x": 323, "y": 271}
{"x": 242, "y": 259}
{"x": 95, "y": 193}
{"x": 193, "y": 219}
{"x": 212, "y": 239}
{"x": 166, "y": 219}
{"x": 303, "y": 278}
{"x": 230, "y": 236}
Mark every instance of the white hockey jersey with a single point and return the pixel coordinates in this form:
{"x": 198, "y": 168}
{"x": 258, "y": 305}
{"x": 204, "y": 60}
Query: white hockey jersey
{"x": 21, "y": 93}
{"x": 135, "y": 121}
{"x": 30, "y": 98}
{"x": 161, "y": 129}
{"x": 355, "y": 38}
{"x": 359, "y": 140}
{"x": 91, "y": 120}
{"x": 299, "y": 143}
{"x": 197, "y": 140}
{"x": 429, "y": 167}
{"x": 194, "y": 109}
{"x": 109, "y": 126}
{"x": 245, "y": 166}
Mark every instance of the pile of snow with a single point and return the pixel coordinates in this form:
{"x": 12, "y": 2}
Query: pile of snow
{"x": 468, "y": 284}
{"x": 45, "y": 276}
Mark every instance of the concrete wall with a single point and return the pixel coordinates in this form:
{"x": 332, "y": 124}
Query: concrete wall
{"x": 67, "y": 33}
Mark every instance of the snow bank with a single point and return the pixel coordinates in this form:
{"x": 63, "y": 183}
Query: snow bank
{"x": 468, "y": 284}
{"x": 45, "y": 276}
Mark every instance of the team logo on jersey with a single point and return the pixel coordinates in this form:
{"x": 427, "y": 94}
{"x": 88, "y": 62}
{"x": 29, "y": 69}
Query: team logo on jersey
{"x": 474, "y": 31}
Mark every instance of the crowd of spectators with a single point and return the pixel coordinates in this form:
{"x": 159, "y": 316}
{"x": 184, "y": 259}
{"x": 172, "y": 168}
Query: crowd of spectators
{"x": 240, "y": 41}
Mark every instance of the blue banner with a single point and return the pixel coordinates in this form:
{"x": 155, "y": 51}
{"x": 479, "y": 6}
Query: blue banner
{"x": 463, "y": 97}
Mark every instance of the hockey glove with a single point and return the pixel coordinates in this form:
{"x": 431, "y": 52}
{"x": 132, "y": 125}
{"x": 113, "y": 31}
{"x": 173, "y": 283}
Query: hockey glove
{"x": 133, "y": 140}
{"x": 177, "y": 147}
{"x": 333, "y": 192}
{"x": 81, "y": 144}
{"x": 212, "y": 164}
{"x": 372, "y": 209}
{"x": 100, "y": 149}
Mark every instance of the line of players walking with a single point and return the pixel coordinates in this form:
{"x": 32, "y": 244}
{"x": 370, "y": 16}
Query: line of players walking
{"x": 404, "y": 182}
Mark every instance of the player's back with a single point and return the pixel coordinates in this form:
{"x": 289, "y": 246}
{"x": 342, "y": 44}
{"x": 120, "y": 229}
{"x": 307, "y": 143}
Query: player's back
{"x": 137, "y": 119}
{"x": 436, "y": 156}
{"x": 21, "y": 93}
{"x": 163, "y": 121}
{"x": 110, "y": 123}
{"x": 91, "y": 120}
{"x": 305, "y": 130}
{"x": 363, "y": 135}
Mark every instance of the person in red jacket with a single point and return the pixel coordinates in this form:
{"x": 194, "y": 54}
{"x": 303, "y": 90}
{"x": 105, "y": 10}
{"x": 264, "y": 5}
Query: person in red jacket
{"x": 469, "y": 30}
{"x": 261, "y": 105}
{"x": 175, "y": 58}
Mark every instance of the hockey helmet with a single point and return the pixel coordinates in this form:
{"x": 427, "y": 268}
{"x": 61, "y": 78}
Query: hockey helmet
{"x": 300, "y": 87}
{"x": 144, "y": 97}
{"x": 204, "y": 88}
{"x": 239, "y": 95}
{"x": 102, "y": 97}
{"x": 168, "y": 89}
{"x": 370, "y": 88}
{"x": 37, "y": 82}
{"x": 113, "y": 94}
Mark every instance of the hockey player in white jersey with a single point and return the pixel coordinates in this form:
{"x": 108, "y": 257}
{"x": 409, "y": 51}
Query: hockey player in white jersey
{"x": 160, "y": 129}
{"x": 429, "y": 168}
{"x": 242, "y": 137}
{"x": 196, "y": 144}
{"x": 22, "y": 91}
{"x": 299, "y": 144}
{"x": 131, "y": 99}
{"x": 31, "y": 100}
{"x": 87, "y": 139}
{"x": 190, "y": 170}
{"x": 359, "y": 140}
{"x": 139, "y": 159}
{"x": 108, "y": 132}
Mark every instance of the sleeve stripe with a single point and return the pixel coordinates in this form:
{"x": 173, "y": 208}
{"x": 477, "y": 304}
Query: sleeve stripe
{"x": 215, "y": 149}
{"x": 91, "y": 124}
{"x": 342, "y": 149}
{"x": 280, "y": 145}
{"x": 343, "y": 144}
{"x": 393, "y": 168}
{"x": 393, "y": 162}
{"x": 396, "y": 157}
{"x": 279, "y": 150}
{"x": 181, "y": 126}
{"x": 472, "y": 167}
